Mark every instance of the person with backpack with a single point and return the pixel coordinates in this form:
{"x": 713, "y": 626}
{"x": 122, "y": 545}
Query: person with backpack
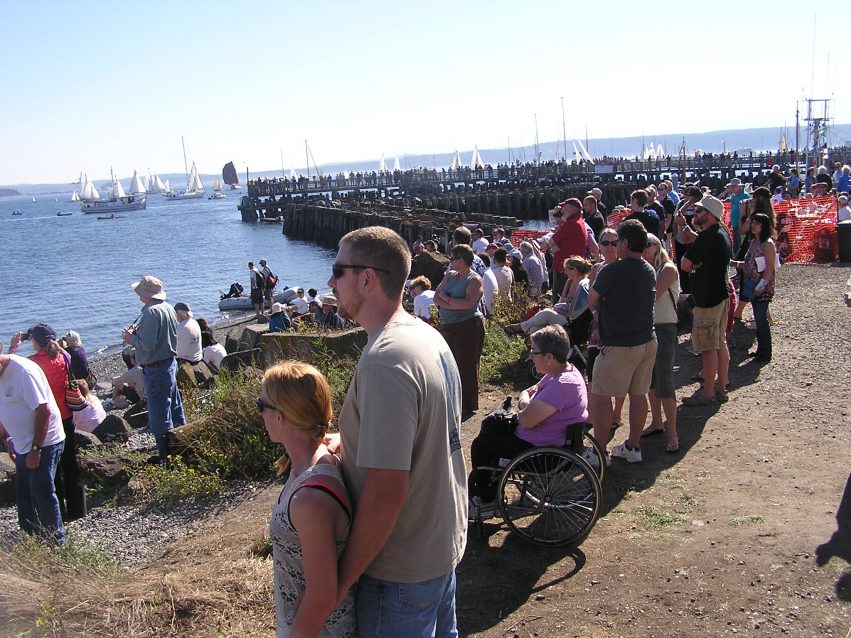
{"x": 257, "y": 284}
{"x": 269, "y": 282}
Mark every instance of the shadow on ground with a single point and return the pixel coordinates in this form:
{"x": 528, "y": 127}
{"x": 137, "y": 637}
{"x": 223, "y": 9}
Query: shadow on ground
{"x": 839, "y": 545}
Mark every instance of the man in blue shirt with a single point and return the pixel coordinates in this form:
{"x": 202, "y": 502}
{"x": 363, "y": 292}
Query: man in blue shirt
{"x": 155, "y": 338}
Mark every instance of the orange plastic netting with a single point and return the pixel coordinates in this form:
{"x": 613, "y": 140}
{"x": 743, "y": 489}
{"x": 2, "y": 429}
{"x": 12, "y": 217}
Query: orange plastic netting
{"x": 806, "y": 229}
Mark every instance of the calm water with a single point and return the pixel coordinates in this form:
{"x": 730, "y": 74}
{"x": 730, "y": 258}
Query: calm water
{"x": 75, "y": 272}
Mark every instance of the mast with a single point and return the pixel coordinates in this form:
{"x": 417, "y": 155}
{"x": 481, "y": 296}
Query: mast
{"x": 185, "y": 167}
{"x": 306, "y": 160}
{"x": 283, "y": 173}
{"x": 797, "y": 130}
{"x": 537, "y": 150}
{"x": 563, "y": 131}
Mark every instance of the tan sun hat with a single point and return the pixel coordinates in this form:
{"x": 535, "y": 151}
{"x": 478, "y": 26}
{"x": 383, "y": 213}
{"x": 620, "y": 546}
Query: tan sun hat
{"x": 149, "y": 286}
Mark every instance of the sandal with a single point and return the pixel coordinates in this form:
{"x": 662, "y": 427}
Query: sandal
{"x": 673, "y": 448}
{"x": 648, "y": 431}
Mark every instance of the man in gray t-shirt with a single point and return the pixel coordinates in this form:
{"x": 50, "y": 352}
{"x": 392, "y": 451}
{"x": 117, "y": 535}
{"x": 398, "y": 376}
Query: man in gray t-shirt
{"x": 624, "y": 294}
{"x": 401, "y": 449}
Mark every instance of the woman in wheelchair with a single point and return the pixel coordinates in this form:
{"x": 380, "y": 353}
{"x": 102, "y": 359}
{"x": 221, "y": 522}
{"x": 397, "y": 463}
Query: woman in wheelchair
{"x": 546, "y": 411}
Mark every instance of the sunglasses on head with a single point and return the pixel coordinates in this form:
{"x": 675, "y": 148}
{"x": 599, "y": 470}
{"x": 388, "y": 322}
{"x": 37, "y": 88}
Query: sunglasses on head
{"x": 338, "y": 270}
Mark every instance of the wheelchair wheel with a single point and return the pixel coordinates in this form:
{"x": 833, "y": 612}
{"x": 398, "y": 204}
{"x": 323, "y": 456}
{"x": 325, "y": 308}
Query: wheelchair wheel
{"x": 550, "y": 496}
{"x": 589, "y": 441}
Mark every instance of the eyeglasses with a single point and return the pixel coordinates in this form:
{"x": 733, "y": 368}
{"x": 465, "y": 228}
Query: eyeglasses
{"x": 338, "y": 270}
{"x": 262, "y": 405}
{"x": 609, "y": 243}
{"x": 532, "y": 353}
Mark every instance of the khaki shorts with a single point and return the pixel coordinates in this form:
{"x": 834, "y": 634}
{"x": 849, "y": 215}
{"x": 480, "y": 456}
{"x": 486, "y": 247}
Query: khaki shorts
{"x": 710, "y": 327}
{"x": 619, "y": 370}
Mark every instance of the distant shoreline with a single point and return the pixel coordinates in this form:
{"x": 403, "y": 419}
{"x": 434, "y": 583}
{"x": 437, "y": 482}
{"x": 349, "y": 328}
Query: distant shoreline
{"x": 9, "y": 192}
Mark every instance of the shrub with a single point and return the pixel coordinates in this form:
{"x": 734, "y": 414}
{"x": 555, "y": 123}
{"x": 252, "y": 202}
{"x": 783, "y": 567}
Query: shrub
{"x": 169, "y": 482}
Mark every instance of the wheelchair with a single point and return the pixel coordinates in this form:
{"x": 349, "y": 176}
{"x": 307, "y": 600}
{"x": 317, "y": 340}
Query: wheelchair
{"x": 549, "y": 496}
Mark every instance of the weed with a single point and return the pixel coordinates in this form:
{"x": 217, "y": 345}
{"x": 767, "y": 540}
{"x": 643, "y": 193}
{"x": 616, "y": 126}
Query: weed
{"x": 687, "y": 501}
{"x": 655, "y": 519}
{"x": 30, "y": 555}
{"x": 262, "y": 547}
{"x": 747, "y": 520}
{"x": 173, "y": 481}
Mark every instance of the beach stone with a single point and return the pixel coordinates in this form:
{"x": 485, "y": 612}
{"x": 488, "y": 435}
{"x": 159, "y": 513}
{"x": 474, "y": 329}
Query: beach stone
{"x": 84, "y": 440}
{"x": 136, "y": 415}
{"x": 113, "y": 429}
{"x": 194, "y": 375}
{"x": 279, "y": 346}
{"x": 109, "y": 471}
{"x": 251, "y": 336}
{"x": 432, "y": 265}
{"x": 232, "y": 339}
{"x": 7, "y": 480}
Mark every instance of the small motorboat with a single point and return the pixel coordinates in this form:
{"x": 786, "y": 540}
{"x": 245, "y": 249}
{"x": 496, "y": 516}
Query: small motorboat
{"x": 17, "y": 212}
{"x": 243, "y": 302}
{"x": 64, "y": 214}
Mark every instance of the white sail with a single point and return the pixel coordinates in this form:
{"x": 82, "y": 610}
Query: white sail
{"x": 118, "y": 189}
{"x": 396, "y": 165}
{"x": 94, "y": 192}
{"x": 195, "y": 184}
{"x": 292, "y": 173}
{"x": 166, "y": 186}
{"x": 476, "y": 159}
{"x": 88, "y": 191}
{"x": 74, "y": 196}
{"x": 382, "y": 165}
{"x": 456, "y": 161}
{"x": 660, "y": 151}
{"x": 136, "y": 185}
{"x": 217, "y": 185}
{"x": 146, "y": 183}
{"x": 158, "y": 186}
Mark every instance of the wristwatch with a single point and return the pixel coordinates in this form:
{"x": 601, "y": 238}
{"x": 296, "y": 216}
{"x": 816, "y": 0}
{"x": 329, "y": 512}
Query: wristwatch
{"x": 35, "y": 447}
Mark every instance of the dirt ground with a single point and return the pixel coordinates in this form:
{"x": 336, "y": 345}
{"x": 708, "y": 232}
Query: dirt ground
{"x": 739, "y": 533}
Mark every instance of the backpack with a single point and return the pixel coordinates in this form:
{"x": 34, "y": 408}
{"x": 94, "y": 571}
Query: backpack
{"x": 271, "y": 280}
{"x": 259, "y": 280}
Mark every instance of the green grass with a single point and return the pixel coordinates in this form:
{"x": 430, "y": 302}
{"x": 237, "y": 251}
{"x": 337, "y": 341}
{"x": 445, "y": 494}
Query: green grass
{"x": 747, "y": 520}
{"x": 655, "y": 519}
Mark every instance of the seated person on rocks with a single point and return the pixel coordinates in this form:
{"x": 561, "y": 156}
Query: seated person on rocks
{"x": 280, "y": 320}
{"x": 93, "y": 414}
{"x": 302, "y": 305}
{"x": 188, "y": 335}
{"x": 546, "y": 411}
{"x": 423, "y": 298}
{"x": 128, "y": 388}
{"x": 214, "y": 352}
{"x": 515, "y": 262}
{"x": 328, "y": 317}
{"x": 311, "y": 295}
{"x": 571, "y": 312}
{"x": 79, "y": 361}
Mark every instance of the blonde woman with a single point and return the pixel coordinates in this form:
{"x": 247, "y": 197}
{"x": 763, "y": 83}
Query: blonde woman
{"x": 311, "y": 519}
{"x": 662, "y": 395}
{"x": 93, "y": 414}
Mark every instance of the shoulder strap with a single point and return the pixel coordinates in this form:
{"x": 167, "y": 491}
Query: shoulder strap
{"x": 673, "y": 301}
{"x": 328, "y": 489}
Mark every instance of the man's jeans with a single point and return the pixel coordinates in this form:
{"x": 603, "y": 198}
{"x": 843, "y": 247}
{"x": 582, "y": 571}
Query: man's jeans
{"x": 407, "y": 610}
{"x": 165, "y": 409}
{"x": 35, "y": 495}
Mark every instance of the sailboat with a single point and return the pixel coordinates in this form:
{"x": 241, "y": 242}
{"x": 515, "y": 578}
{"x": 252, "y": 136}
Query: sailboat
{"x": 230, "y": 177}
{"x": 396, "y": 165}
{"x": 456, "y": 161}
{"x": 74, "y": 196}
{"x": 194, "y": 188}
{"x": 476, "y": 159}
{"x": 382, "y": 165}
{"x": 136, "y": 185}
{"x": 166, "y": 188}
{"x": 217, "y": 190}
{"x": 117, "y": 201}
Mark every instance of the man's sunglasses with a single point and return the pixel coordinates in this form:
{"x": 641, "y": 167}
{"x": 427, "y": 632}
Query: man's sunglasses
{"x": 338, "y": 270}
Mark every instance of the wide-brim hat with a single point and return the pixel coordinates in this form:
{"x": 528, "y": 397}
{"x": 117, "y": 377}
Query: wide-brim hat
{"x": 713, "y": 205}
{"x": 149, "y": 286}
{"x": 331, "y": 300}
{"x": 277, "y": 307}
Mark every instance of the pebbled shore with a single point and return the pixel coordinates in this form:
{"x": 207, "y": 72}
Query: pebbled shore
{"x": 131, "y": 533}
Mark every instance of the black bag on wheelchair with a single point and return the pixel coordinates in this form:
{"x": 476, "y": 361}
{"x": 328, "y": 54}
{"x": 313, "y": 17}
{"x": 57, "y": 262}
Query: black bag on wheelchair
{"x": 503, "y": 420}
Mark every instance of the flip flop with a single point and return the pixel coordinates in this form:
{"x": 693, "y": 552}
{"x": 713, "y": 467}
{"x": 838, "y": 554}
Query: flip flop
{"x": 672, "y": 448}
{"x": 652, "y": 431}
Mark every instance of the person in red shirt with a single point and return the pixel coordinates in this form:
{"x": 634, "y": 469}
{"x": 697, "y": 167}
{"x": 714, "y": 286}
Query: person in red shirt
{"x": 569, "y": 239}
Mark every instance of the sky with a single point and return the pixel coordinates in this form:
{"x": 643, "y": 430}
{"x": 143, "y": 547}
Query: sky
{"x": 93, "y": 85}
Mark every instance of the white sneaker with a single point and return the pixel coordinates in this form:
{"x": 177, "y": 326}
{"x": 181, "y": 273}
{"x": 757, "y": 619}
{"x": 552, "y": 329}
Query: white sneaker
{"x": 593, "y": 460}
{"x": 623, "y": 452}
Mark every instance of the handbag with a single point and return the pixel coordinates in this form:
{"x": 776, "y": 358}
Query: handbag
{"x": 73, "y": 397}
{"x": 749, "y": 288}
{"x": 503, "y": 420}
{"x": 685, "y": 314}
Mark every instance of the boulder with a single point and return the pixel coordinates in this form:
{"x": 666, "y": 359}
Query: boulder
{"x": 232, "y": 339}
{"x": 83, "y": 440}
{"x": 113, "y": 429}
{"x": 136, "y": 415}
{"x": 194, "y": 375}
{"x": 279, "y": 346}
{"x": 7, "y": 479}
{"x": 109, "y": 471}
{"x": 204, "y": 375}
{"x": 251, "y": 335}
{"x": 241, "y": 359}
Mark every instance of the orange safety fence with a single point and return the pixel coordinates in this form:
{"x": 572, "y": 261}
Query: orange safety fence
{"x": 806, "y": 229}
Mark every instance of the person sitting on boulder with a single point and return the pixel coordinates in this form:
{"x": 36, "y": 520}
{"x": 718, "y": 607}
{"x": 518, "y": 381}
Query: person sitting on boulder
{"x": 91, "y": 416}
{"x": 328, "y": 317}
{"x": 128, "y": 388}
{"x": 279, "y": 321}
{"x": 188, "y": 335}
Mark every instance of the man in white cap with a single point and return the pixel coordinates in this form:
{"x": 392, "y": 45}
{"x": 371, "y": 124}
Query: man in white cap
{"x": 707, "y": 261}
{"x": 188, "y": 335}
{"x": 154, "y": 336}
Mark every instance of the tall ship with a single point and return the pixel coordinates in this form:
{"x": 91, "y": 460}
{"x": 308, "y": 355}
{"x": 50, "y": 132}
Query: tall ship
{"x": 230, "y": 177}
{"x": 117, "y": 201}
{"x": 194, "y": 188}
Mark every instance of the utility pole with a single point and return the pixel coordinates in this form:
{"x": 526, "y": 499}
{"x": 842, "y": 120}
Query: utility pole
{"x": 306, "y": 160}
{"x": 537, "y": 149}
{"x": 797, "y": 129}
{"x": 563, "y": 131}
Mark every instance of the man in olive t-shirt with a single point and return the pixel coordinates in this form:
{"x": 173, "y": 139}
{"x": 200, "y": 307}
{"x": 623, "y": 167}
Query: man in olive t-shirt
{"x": 401, "y": 450}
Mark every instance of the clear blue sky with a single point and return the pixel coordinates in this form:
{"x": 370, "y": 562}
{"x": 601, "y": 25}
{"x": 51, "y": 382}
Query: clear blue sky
{"x": 89, "y": 85}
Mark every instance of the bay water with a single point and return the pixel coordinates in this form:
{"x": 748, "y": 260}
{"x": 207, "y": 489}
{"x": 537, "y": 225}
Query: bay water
{"x": 74, "y": 272}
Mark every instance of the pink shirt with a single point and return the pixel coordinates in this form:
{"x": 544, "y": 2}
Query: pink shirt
{"x": 567, "y": 394}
